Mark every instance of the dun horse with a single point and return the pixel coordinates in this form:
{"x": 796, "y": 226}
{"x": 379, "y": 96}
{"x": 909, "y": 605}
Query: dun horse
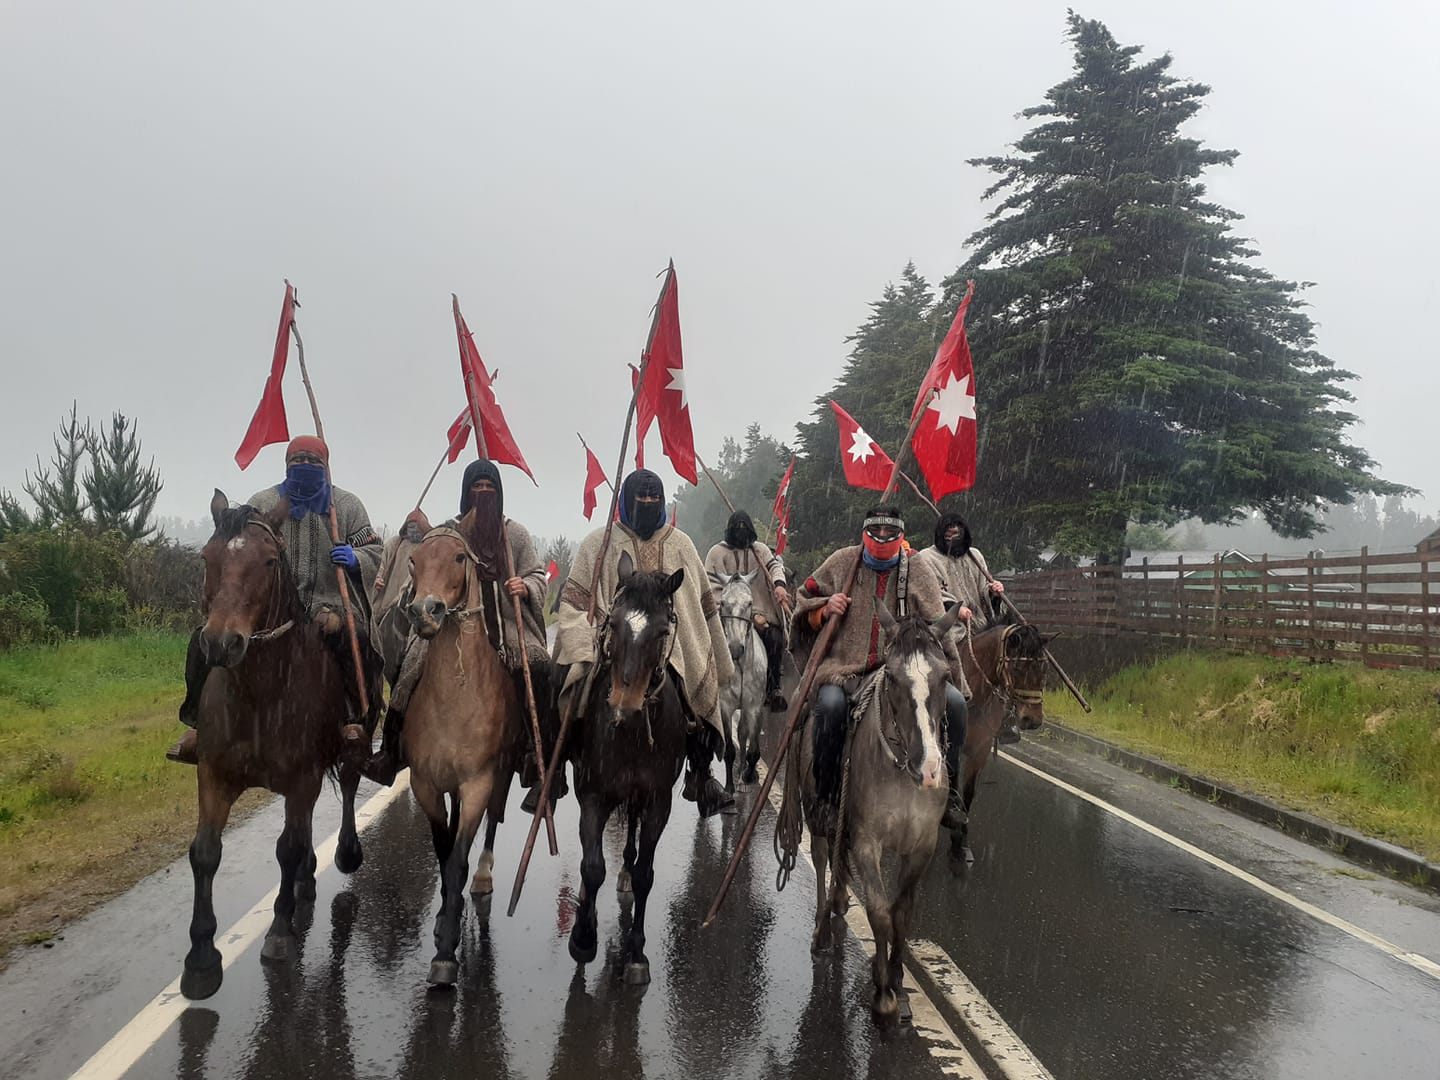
{"x": 1005, "y": 667}
{"x": 892, "y": 796}
{"x": 743, "y": 697}
{"x": 630, "y": 750}
{"x": 463, "y": 734}
{"x": 270, "y": 716}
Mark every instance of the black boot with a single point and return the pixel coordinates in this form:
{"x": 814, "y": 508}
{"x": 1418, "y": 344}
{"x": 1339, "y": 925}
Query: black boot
{"x": 185, "y": 750}
{"x": 957, "y": 715}
{"x": 701, "y": 788}
{"x": 774, "y": 640}
{"x": 387, "y": 762}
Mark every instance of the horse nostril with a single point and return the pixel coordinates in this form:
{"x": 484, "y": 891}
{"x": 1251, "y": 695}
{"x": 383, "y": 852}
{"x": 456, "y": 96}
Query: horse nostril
{"x": 736, "y": 651}
{"x": 434, "y": 607}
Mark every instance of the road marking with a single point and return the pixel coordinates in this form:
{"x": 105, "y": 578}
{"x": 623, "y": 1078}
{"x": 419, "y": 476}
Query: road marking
{"x": 130, "y": 1043}
{"x": 1422, "y": 964}
{"x": 1011, "y": 1056}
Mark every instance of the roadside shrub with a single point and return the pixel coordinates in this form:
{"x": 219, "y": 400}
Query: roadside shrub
{"x": 165, "y": 576}
{"x": 63, "y": 567}
{"x": 24, "y": 620}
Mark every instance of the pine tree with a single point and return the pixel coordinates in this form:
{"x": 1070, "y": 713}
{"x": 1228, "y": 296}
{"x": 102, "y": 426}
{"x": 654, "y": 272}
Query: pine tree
{"x": 561, "y": 552}
{"x": 1134, "y": 365}
{"x": 122, "y": 492}
{"x": 58, "y": 495}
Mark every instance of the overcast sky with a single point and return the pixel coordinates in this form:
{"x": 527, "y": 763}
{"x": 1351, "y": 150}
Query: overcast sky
{"x": 167, "y": 164}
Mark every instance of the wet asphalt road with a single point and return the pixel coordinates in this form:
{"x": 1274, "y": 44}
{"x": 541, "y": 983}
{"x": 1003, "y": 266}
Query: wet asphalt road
{"x": 1112, "y": 954}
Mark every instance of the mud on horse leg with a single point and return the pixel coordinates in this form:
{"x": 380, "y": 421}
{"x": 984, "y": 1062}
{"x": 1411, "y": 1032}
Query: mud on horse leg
{"x": 202, "y": 975}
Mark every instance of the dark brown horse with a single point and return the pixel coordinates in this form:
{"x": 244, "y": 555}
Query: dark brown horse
{"x": 1005, "y": 667}
{"x": 463, "y": 733}
{"x": 270, "y": 716}
{"x": 630, "y": 749}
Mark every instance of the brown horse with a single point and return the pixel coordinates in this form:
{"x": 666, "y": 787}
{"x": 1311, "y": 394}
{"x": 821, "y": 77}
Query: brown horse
{"x": 270, "y": 716}
{"x": 1005, "y": 667}
{"x": 463, "y": 734}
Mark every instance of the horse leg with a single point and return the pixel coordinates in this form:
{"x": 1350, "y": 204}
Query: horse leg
{"x": 348, "y": 853}
{"x": 442, "y": 834}
{"x": 960, "y": 838}
{"x": 203, "y": 974}
{"x": 657, "y": 813}
{"x": 291, "y": 851}
{"x": 878, "y": 907}
{"x": 584, "y": 935}
{"x": 912, "y": 868}
{"x": 823, "y": 940}
{"x": 625, "y": 883}
{"x": 750, "y": 742}
{"x": 732, "y": 719}
{"x": 483, "y": 884}
{"x": 473, "y": 798}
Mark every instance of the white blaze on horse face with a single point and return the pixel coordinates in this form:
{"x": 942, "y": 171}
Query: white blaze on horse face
{"x": 917, "y": 672}
{"x": 638, "y": 622}
{"x": 238, "y": 544}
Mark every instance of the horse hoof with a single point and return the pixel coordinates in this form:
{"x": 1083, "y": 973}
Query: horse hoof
{"x": 624, "y": 885}
{"x": 751, "y": 775}
{"x": 197, "y": 984}
{"x": 637, "y": 974}
{"x": 278, "y": 950}
{"x": 444, "y": 972}
{"x": 581, "y": 954}
{"x": 483, "y": 902}
{"x": 349, "y": 857}
{"x": 886, "y": 1007}
{"x": 480, "y": 888}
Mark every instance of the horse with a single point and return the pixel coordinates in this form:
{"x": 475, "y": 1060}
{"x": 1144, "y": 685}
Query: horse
{"x": 270, "y": 716}
{"x": 743, "y": 697}
{"x": 1005, "y": 667}
{"x": 463, "y": 733}
{"x": 630, "y": 750}
{"x": 892, "y": 797}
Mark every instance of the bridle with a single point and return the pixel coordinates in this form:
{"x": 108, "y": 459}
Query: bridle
{"x": 277, "y": 588}
{"x": 1006, "y": 690}
{"x": 659, "y": 676}
{"x": 466, "y": 610}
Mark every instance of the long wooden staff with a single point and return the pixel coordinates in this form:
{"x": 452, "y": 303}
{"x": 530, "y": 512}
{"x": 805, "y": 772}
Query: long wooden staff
{"x": 334, "y": 524}
{"x": 438, "y": 466}
{"x": 1005, "y": 599}
{"x": 472, "y": 395}
{"x": 587, "y": 447}
{"x": 723, "y": 497}
{"x": 583, "y": 691}
{"x": 828, "y": 631}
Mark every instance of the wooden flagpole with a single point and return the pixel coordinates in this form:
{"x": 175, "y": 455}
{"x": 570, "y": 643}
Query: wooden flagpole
{"x": 724, "y": 498}
{"x": 587, "y": 447}
{"x": 438, "y": 466}
{"x": 807, "y": 682}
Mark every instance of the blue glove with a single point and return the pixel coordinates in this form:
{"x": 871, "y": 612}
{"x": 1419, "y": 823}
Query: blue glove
{"x": 344, "y": 555}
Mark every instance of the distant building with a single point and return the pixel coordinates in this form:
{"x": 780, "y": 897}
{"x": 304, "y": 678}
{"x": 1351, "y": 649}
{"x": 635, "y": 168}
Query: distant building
{"x": 1430, "y": 545}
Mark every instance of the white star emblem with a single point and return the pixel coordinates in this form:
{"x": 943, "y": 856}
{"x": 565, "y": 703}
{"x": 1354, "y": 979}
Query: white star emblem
{"x": 953, "y": 403}
{"x": 862, "y": 446}
{"x": 677, "y": 383}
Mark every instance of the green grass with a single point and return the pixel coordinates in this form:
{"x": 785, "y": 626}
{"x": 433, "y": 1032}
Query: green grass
{"x": 88, "y": 803}
{"x": 1360, "y": 747}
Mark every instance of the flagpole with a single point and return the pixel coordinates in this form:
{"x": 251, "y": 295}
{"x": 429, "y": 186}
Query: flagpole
{"x": 438, "y": 466}
{"x": 725, "y": 498}
{"x": 906, "y": 477}
{"x": 828, "y": 631}
{"x": 340, "y": 578}
{"x": 588, "y": 450}
{"x": 472, "y": 397}
{"x": 583, "y": 691}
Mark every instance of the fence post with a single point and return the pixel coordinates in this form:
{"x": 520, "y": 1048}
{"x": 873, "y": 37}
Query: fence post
{"x": 1215, "y": 605}
{"x": 1365, "y": 605}
{"x": 1268, "y": 639}
{"x": 1178, "y": 603}
{"x": 1145, "y": 585}
{"x": 1425, "y": 608}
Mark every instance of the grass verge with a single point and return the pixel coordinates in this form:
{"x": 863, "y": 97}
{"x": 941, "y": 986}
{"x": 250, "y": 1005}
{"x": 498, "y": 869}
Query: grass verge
{"x": 88, "y": 803}
{"x": 1357, "y": 746}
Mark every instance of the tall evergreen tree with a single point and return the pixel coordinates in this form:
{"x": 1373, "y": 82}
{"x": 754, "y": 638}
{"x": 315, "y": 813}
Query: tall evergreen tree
{"x": 59, "y": 494}
{"x": 122, "y": 492}
{"x": 1133, "y": 362}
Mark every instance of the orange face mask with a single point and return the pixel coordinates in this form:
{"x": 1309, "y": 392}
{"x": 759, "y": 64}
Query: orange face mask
{"x": 882, "y": 550}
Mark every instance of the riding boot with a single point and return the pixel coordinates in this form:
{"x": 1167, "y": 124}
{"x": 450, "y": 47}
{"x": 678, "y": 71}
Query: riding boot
{"x": 185, "y": 750}
{"x": 774, "y": 639}
{"x": 827, "y": 733}
{"x": 354, "y": 733}
{"x": 701, "y": 788}
{"x": 532, "y": 773}
{"x": 387, "y": 762}
{"x": 1009, "y": 730}
{"x": 957, "y": 714}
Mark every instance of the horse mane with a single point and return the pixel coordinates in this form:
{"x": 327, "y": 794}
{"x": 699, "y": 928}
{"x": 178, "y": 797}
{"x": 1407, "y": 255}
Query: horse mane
{"x": 914, "y": 635}
{"x": 1025, "y": 642}
{"x": 232, "y": 521}
{"x": 647, "y": 591}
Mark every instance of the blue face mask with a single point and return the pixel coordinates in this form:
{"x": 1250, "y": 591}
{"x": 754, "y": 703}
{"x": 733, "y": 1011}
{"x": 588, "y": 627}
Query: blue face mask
{"x": 880, "y": 564}
{"x": 307, "y": 489}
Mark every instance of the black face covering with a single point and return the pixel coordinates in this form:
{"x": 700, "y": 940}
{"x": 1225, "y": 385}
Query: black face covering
{"x": 961, "y": 544}
{"x": 487, "y": 535}
{"x": 740, "y": 532}
{"x": 643, "y": 518}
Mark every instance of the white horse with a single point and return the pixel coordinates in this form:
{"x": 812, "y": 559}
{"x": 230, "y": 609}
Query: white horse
{"x": 743, "y": 697}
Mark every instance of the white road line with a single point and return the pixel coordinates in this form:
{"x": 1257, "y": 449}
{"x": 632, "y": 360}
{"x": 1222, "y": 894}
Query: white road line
{"x": 1420, "y": 963}
{"x": 130, "y": 1043}
{"x": 945, "y": 1047}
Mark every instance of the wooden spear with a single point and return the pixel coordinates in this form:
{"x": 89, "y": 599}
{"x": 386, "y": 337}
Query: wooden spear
{"x": 583, "y": 692}
{"x": 724, "y": 498}
{"x": 807, "y": 682}
{"x": 472, "y": 395}
{"x": 587, "y": 447}
{"x": 340, "y": 577}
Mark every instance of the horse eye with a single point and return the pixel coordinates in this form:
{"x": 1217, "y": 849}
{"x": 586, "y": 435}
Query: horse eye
{"x": 460, "y": 558}
{"x": 271, "y": 561}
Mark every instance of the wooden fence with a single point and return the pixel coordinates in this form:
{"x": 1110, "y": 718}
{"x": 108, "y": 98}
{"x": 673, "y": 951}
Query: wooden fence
{"x": 1383, "y": 610}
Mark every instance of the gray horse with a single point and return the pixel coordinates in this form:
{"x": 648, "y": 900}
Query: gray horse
{"x": 743, "y": 697}
{"x": 885, "y": 828}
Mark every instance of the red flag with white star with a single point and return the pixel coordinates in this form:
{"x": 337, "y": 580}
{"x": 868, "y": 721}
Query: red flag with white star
{"x": 865, "y": 464}
{"x": 552, "y": 571}
{"x": 496, "y": 441}
{"x": 459, "y": 435}
{"x": 782, "y": 534}
{"x": 945, "y": 440}
{"x": 268, "y": 425}
{"x": 783, "y": 495}
{"x": 594, "y": 477}
{"x": 663, "y": 396}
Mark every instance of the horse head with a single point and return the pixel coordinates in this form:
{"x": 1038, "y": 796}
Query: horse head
{"x": 441, "y": 573}
{"x": 913, "y": 703}
{"x": 1024, "y": 662}
{"x": 638, "y": 628}
{"x": 737, "y": 612}
{"x": 248, "y": 586}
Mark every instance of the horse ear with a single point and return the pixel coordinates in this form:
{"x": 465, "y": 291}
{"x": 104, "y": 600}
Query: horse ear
{"x": 943, "y": 625}
{"x": 887, "y": 621}
{"x": 277, "y": 515}
{"x": 626, "y": 567}
{"x": 218, "y": 505}
{"x": 1045, "y": 639}
{"x": 750, "y": 577}
{"x": 676, "y": 580}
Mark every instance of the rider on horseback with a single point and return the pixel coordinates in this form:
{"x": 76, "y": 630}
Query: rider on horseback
{"x": 312, "y": 557}
{"x": 899, "y": 582}
{"x": 700, "y": 659}
{"x": 483, "y": 491}
{"x": 392, "y": 622}
{"x": 742, "y": 553}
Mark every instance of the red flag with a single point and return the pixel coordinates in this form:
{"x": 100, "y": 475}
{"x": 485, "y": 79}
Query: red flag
{"x": 782, "y": 534}
{"x": 459, "y": 435}
{"x": 594, "y": 477}
{"x": 866, "y": 465}
{"x": 552, "y": 571}
{"x": 496, "y": 442}
{"x": 945, "y": 446}
{"x": 784, "y": 493}
{"x": 675, "y": 514}
{"x": 664, "y": 395}
{"x": 268, "y": 425}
